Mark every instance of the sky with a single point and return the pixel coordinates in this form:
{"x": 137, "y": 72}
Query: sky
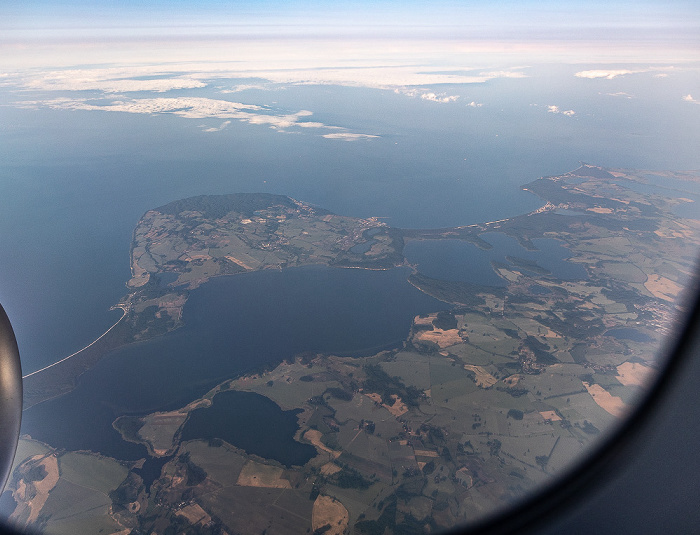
{"x": 416, "y": 48}
{"x": 585, "y": 29}
{"x": 493, "y": 14}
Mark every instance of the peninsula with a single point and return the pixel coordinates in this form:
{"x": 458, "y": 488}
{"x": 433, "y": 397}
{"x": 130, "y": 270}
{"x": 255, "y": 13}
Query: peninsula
{"x": 486, "y": 399}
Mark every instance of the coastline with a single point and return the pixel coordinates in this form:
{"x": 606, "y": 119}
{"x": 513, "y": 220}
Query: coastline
{"x": 124, "y": 312}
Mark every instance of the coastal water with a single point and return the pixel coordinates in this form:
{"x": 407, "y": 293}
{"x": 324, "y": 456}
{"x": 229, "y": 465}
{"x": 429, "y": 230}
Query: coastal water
{"x": 233, "y": 325}
{"x": 73, "y": 184}
{"x": 463, "y": 261}
{"x": 671, "y": 187}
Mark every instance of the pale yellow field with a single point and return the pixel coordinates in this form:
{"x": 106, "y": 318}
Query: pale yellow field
{"x": 442, "y": 338}
{"x": 329, "y": 511}
{"x": 483, "y": 378}
{"x": 550, "y": 415}
{"x": 662, "y": 287}
{"x": 314, "y": 436}
{"x": 239, "y": 262}
{"x": 397, "y": 409}
{"x": 43, "y": 487}
{"x": 425, "y": 453}
{"x": 606, "y": 400}
{"x": 261, "y": 475}
{"x": 600, "y": 210}
{"x": 633, "y": 373}
{"x": 329, "y": 469}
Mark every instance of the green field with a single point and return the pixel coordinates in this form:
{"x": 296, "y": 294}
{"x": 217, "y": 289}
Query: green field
{"x": 100, "y": 474}
{"x": 222, "y": 463}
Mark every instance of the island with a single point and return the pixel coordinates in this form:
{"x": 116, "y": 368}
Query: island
{"x": 487, "y": 399}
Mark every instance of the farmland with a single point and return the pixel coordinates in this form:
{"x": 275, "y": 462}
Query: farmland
{"x": 484, "y": 401}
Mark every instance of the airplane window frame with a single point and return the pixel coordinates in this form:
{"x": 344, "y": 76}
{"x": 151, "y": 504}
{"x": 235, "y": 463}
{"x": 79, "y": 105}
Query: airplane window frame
{"x": 541, "y": 505}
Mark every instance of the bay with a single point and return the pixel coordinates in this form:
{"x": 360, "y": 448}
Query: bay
{"x": 463, "y": 261}
{"x": 233, "y": 325}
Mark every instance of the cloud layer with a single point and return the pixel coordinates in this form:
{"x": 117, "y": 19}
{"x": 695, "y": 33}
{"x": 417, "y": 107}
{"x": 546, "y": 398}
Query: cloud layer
{"x": 347, "y": 136}
{"x": 406, "y": 76}
{"x": 607, "y": 74}
{"x": 197, "y": 108}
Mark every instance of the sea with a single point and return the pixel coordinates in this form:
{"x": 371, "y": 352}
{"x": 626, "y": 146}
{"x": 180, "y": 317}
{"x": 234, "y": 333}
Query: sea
{"x": 73, "y": 185}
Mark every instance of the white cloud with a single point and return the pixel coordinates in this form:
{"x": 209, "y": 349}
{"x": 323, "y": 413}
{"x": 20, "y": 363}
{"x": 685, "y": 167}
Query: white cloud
{"x": 439, "y": 97}
{"x": 197, "y": 108}
{"x": 689, "y": 98}
{"x": 403, "y": 75}
{"x": 661, "y": 75}
{"x": 245, "y": 87}
{"x": 426, "y": 94}
{"x": 607, "y": 74}
{"x": 311, "y": 124}
{"x": 555, "y": 109}
{"x": 217, "y": 129}
{"x": 503, "y": 74}
{"x": 620, "y": 94}
{"x": 409, "y": 92}
{"x": 474, "y": 104}
{"x": 110, "y": 80}
{"x": 347, "y": 136}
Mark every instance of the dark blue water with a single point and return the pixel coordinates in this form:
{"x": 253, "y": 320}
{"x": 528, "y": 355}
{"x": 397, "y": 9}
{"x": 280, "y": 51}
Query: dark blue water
{"x": 689, "y": 209}
{"x": 233, "y": 325}
{"x": 151, "y": 470}
{"x": 74, "y": 183}
{"x": 462, "y": 261}
{"x": 452, "y": 260}
{"x": 686, "y": 186}
{"x": 539, "y": 290}
{"x": 627, "y": 333}
{"x": 235, "y": 417}
{"x": 671, "y": 187}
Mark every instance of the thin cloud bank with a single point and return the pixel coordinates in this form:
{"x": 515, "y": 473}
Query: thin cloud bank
{"x": 555, "y": 109}
{"x": 126, "y": 88}
{"x": 347, "y": 136}
{"x": 194, "y": 108}
{"x": 217, "y": 129}
{"x": 503, "y": 74}
{"x": 109, "y": 80}
{"x": 388, "y": 75}
{"x": 245, "y": 87}
{"x": 607, "y": 74}
{"x": 426, "y": 94}
{"x": 620, "y": 94}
